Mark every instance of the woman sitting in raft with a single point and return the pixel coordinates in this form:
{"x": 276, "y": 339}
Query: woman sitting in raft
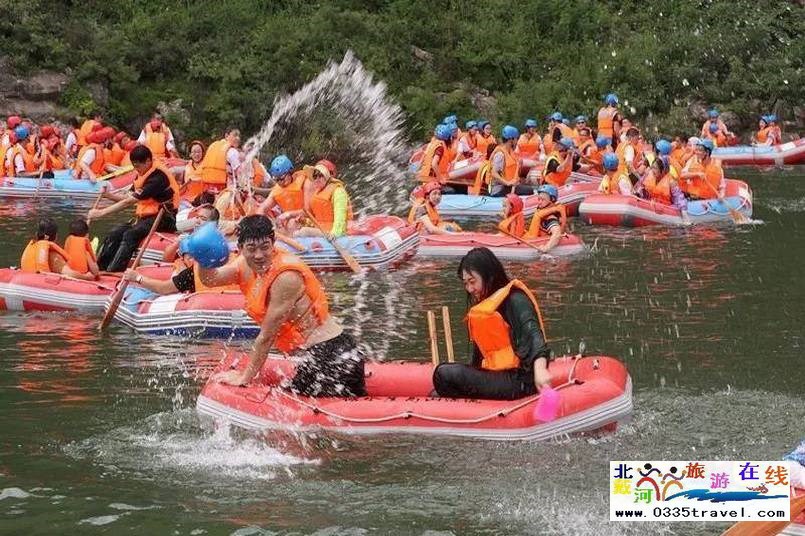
{"x": 510, "y": 355}
{"x": 44, "y": 255}
{"x": 425, "y": 214}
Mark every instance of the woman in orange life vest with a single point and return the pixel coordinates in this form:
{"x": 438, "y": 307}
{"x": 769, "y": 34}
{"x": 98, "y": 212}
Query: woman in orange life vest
{"x": 425, "y": 213}
{"x": 91, "y": 162}
{"x": 46, "y": 161}
{"x": 80, "y": 256}
{"x": 720, "y": 127}
{"x": 530, "y": 143}
{"x": 157, "y": 136}
{"x": 703, "y": 176}
{"x": 436, "y": 161}
{"x": 513, "y": 222}
{"x": 19, "y": 162}
{"x": 287, "y": 301}
{"x": 549, "y": 220}
{"x": 221, "y": 162}
{"x": 467, "y": 145}
{"x": 193, "y": 185}
{"x": 714, "y": 134}
{"x": 328, "y": 203}
{"x": 484, "y": 138}
{"x": 116, "y": 153}
{"x": 762, "y": 136}
{"x": 609, "y": 120}
{"x": 509, "y": 351}
{"x": 595, "y": 157}
{"x": 71, "y": 142}
{"x": 153, "y": 189}
{"x": 43, "y": 254}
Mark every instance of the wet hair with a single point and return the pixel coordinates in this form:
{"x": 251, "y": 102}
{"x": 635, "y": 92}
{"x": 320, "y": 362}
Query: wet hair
{"x": 255, "y": 228}
{"x": 204, "y": 198}
{"x": 488, "y": 266}
{"x": 79, "y": 227}
{"x": 47, "y": 228}
{"x": 140, "y": 155}
{"x": 490, "y": 149}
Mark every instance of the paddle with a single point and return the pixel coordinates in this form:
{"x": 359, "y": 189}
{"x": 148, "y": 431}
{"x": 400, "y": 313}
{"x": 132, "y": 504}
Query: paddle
{"x": 349, "y": 259}
{"x": 737, "y": 217}
{"x": 118, "y": 297}
{"x": 766, "y": 528}
{"x": 115, "y": 173}
{"x": 522, "y": 241}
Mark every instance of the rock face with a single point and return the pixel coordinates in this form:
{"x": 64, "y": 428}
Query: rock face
{"x": 35, "y": 96}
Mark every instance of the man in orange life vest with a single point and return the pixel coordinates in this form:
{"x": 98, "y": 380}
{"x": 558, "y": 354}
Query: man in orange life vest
{"x": 154, "y": 188}
{"x": 157, "y": 136}
{"x": 609, "y": 120}
{"x": 221, "y": 162}
{"x": 549, "y": 220}
{"x": 561, "y": 162}
{"x": 505, "y": 166}
{"x": 44, "y": 255}
{"x": 703, "y": 177}
{"x": 288, "y": 193}
{"x": 287, "y": 301}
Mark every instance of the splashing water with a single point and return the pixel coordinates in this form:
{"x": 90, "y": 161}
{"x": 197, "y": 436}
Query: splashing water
{"x": 371, "y": 120}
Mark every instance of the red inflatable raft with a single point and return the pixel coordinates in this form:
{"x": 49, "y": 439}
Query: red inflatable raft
{"x": 505, "y": 247}
{"x": 596, "y": 394}
{"x": 23, "y": 291}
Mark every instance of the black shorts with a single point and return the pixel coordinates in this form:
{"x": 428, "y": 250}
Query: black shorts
{"x": 330, "y": 368}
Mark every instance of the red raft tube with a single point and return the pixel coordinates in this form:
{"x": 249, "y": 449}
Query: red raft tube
{"x": 42, "y": 291}
{"x": 504, "y": 247}
{"x": 595, "y": 393}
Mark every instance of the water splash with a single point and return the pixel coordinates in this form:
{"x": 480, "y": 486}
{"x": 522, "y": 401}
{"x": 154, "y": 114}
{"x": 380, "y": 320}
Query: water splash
{"x": 375, "y": 165}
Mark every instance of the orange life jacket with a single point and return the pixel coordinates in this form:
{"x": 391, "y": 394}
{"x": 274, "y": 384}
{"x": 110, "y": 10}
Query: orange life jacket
{"x": 566, "y": 131}
{"x": 535, "y": 228}
{"x": 259, "y": 173}
{"x": 557, "y": 178}
{"x": 469, "y": 141}
{"x": 79, "y": 253}
{"x": 588, "y": 148}
{"x": 36, "y": 256}
{"x": 86, "y": 127}
{"x": 610, "y": 183}
{"x": 291, "y": 197}
{"x": 256, "y": 289}
{"x": 490, "y": 331}
{"x": 528, "y": 146}
{"x": 511, "y": 166}
{"x": 3, "y": 168}
{"x": 98, "y": 164}
{"x": 157, "y": 141}
{"x": 606, "y": 121}
{"x": 547, "y": 142}
{"x": 425, "y": 172}
{"x": 150, "y": 206}
{"x": 658, "y": 190}
{"x": 430, "y": 210}
{"x": 483, "y": 178}
{"x": 27, "y": 159}
{"x": 213, "y": 165}
{"x": 697, "y": 188}
{"x": 117, "y": 154}
{"x": 514, "y": 225}
{"x": 621, "y": 150}
{"x": 482, "y": 143}
{"x": 762, "y": 135}
{"x": 321, "y": 205}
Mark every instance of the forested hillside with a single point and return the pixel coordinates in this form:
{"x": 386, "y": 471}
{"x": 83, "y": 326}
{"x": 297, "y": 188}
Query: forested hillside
{"x": 225, "y": 61}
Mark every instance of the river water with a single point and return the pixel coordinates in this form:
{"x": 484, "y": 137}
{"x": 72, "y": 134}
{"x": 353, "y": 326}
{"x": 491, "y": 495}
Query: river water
{"x": 100, "y": 435}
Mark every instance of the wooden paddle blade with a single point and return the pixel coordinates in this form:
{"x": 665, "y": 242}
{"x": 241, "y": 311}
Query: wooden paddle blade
{"x": 113, "y": 306}
{"x": 349, "y": 259}
{"x": 766, "y": 528}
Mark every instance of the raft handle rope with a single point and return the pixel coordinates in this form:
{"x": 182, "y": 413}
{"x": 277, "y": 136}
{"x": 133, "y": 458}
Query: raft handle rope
{"x": 70, "y": 278}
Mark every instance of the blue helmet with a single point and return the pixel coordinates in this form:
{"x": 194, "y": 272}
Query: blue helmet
{"x": 611, "y": 99}
{"x": 21, "y": 133}
{"x": 566, "y": 121}
{"x": 567, "y": 143}
{"x": 509, "y": 133}
{"x": 611, "y": 162}
{"x": 471, "y": 124}
{"x": 453, "y": 128}
{"x": 207, "y": 246}
{"x": 602, "y": 141}
{"x": 707, "y": 144}
{"x": 772, "y": 118}
{"x": 713, "y": 113}
{"x": 663, "y": 147}
{"x": 482, "y": 123}
{"x": 549, "y": 189}
{"x": 581, "y": 119}
{"x": 556, "y": 116}
{"x": 443, "y": 132}
{"x": 530, "y": 123}
{"x": 281, "y": 165}
{"x": 450, "y": 119}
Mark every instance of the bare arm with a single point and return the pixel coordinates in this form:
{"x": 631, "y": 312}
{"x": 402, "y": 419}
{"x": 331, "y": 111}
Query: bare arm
{"x": 159, "y": 286}
{"x": 96, "y": 213}
{"x": 287, "y": 288}
{"x": 429, "y": 227}
{"x": 218, "y": 277}
{"x": 556, "y": 236}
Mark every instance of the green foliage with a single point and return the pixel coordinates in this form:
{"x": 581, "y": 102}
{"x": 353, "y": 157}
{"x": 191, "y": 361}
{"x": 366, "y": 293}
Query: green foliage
{"x": 227, "y": 61}
{"x": 76, "y": 98}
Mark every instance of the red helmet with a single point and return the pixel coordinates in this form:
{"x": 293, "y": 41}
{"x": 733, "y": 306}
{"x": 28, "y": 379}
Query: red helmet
{"x": 46, "y": 131}
{"x": 430, "y": 187}
{"x": 105, "y": 134}
{"x": 119, "y": 136}
{"x": 327, "y": 164}
{"x": 12, "y": 137}
{"x": 515, "y": 203}
{"x": 13, "y": 121}
{"x": 97, "y": 126}
{"x": 130, "y": 145}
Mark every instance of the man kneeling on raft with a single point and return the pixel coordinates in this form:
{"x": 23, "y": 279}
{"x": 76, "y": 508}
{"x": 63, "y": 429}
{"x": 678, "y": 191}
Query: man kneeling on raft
{"x": 286, "y": 300}
{"x": 509, "y": 354}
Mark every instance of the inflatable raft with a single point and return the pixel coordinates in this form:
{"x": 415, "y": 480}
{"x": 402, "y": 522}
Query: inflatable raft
{"x": 22, "y": 291}
{"x": 208, "y": 314}
{"x": 596, "y": 394}
{"x": 375, "y": 242}
{"x": 631, "y": 211}
{"x": 789, "y": 153}
{"x": 505, "y": 247}
{"x": 464, "y": 206}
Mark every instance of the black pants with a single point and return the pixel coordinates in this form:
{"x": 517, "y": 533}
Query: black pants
{"x": 500, "y": 190}
{"x": 331, "y": 368}
{"x": 121, "y": 243}
{"x": 456, "y": 380}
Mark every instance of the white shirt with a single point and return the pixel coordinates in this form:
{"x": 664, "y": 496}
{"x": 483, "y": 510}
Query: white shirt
{"x": 70, "y": 141}
{"x": 628, "y": 154}
{"x": 170, "y": 144}
{"x": 89, "y": 157}
{"x": 463, "y": 146}
{"x": 233, "y": 160}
